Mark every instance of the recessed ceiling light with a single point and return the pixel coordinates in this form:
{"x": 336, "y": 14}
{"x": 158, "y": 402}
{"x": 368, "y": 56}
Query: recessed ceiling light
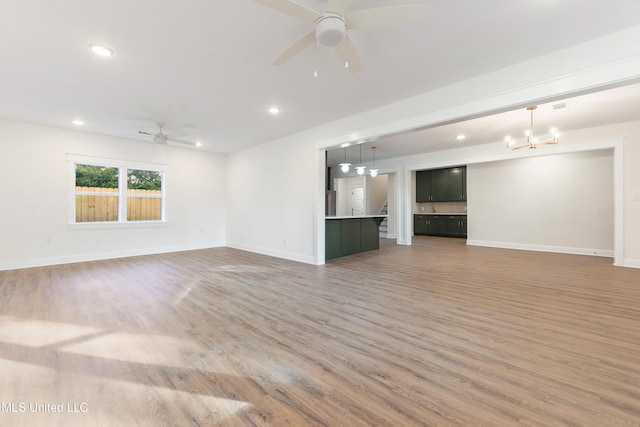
{"x": 101, "y": 49}
{"x": 198, "y": 144}
{"x": 77, "y": 122}
{"x": 274, "y": 110}
{"x": 460, "y": 137}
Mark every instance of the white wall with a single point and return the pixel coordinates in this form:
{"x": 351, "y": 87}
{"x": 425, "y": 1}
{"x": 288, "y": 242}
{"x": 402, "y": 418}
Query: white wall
{"x": 376, "y": 193}
{"x": 559, "y": 203}
{"x": 272, "y": 204}
{"x": 35, "y": 179}
{"x": 632, "y": 197}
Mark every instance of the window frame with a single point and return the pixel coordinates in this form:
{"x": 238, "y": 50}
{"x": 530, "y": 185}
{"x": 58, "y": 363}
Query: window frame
{"x": 123, "y": 167}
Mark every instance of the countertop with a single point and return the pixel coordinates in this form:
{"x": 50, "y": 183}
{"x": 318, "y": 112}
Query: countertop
{"x": 355, "y": 216}
{"x": 440, "y": 213}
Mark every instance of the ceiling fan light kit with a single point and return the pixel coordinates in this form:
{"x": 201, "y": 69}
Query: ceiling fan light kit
{"x": 532, "y": 141}
{"x": 331, "y": 29}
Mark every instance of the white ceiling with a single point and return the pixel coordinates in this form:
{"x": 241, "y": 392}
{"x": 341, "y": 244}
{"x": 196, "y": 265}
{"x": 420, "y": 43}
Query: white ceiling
{"x": 204, "y": 67}
{"x": 617, "y": 105}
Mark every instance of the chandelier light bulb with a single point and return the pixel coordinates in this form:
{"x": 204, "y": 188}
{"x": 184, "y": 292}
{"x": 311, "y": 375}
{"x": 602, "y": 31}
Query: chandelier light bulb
{"x": 360, "y": 170}
{"x": 344, "y": 167}
{"x": 373, "y": 172}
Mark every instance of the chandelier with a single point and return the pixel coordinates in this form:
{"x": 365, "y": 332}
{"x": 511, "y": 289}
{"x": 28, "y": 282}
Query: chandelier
{"x": 532, "y": 141}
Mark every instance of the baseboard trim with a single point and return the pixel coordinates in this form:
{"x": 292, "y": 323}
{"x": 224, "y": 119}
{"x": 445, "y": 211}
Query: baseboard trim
{"x": 543, "y": 248}
{"x": 633, "y": 263}
{"x": 99, "y": 256}
{"x": 291, "y": 256}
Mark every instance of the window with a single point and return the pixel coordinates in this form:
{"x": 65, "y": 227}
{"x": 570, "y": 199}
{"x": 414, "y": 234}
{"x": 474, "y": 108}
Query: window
{"x": 107, "y": 193}
{"x": 144, "y": 195}
{"x": 96, "y": 193}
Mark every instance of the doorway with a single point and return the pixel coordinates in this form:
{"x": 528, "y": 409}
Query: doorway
{"x": 357, "y": 201}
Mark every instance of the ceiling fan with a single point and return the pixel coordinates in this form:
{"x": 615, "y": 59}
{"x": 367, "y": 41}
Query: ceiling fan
{"x": 332, "y": 25}
{"x": 162, "y": 138}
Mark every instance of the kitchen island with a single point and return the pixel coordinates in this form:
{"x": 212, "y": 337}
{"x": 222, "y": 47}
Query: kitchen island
{"x": 347, "y": 235}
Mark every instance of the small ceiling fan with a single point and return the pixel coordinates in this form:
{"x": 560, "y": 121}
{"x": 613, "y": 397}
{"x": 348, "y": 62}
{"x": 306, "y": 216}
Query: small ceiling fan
{"x": 332, "y": 25}
{"x": 162, "y": 138}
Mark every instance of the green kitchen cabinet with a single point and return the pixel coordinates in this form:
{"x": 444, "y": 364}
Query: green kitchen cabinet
{"x": 440, "y": 225}
{"x": 441, "y": 185}
{"x": 351, "y": 235}
{"x": 436, "y": 225}
{"x": 421, "y": 225}
{"x": 456, "y": 185}
{"x": 428, "y": 225}
{"x": 455, "y": 225}
{"x": 423, "y": 186}
{"x": 463, "y": 226}
{"x": 439, "y": 178}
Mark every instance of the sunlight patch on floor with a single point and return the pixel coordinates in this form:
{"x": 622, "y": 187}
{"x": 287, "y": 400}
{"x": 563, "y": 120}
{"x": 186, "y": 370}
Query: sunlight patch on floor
{"x": 138, "y": 348}
{"x": 89, "y": 400}
{"x": 37, "y": 333}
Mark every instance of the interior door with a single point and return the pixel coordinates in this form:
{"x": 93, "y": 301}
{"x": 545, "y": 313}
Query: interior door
{"x": 357, "y": 201}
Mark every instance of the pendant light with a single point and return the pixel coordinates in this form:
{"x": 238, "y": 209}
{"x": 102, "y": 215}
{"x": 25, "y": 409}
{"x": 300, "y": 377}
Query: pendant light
{"x": 360, "y": 169}
{"x": 345, "y": 166}
{"x": 373, "y": 171}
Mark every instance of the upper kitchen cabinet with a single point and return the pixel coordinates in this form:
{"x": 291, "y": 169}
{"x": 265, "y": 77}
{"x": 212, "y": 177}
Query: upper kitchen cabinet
{"x": 423, "y": 186}
{"x": 456, "y": 185}
{"x": 441, "y": 185}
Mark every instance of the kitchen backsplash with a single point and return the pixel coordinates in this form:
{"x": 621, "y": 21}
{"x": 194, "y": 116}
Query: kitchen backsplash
{"x": 442, "y": 207}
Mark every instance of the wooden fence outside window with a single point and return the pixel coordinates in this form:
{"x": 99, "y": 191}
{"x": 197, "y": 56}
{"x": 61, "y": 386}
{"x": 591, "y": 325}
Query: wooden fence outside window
{"x": 101, "y": 204}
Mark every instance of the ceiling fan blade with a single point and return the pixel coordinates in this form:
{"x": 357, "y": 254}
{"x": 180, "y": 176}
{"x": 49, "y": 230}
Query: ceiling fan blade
{"x": 385, "y": 16}
{"x": 296, "y": 48}
{"x": 141, "y": 132}
{"x": 181, "y": 141}
{"x": 347, "y": 53}
{"x": 292, "y": 8}
{"x": 337, "y": 6}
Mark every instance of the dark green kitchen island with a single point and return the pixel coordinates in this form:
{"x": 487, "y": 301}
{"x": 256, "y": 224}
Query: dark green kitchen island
{"x": 347, "y": 235}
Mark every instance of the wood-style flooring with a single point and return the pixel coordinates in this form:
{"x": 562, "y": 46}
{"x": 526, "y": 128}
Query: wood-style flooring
{"x": 434, "y": 334}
